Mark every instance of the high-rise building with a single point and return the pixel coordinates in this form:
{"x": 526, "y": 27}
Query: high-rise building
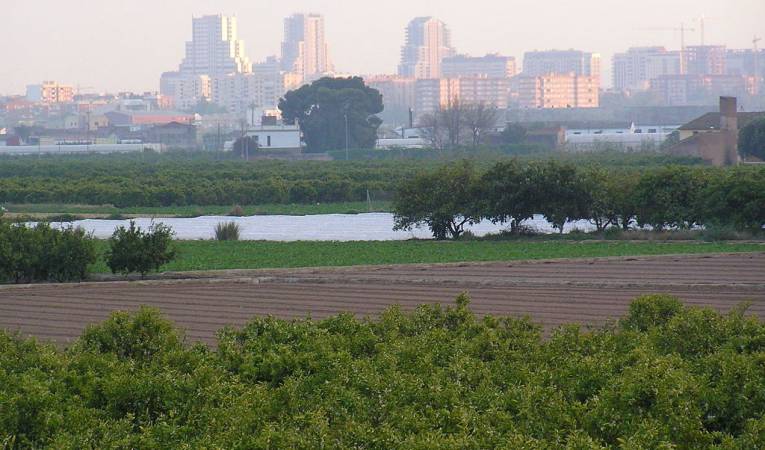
{"x": 272, "y": 84}
{"x": 705, "y": 59}
{"x": 489, "y": 66}
{"x": 428, "y": 42}
{"x": 304, "y": 50}
{"x": 559, "y": 91}
{"x": 214, "y": 48}
{"x": 539, "y": 63}
{"x": 634, "y": 69}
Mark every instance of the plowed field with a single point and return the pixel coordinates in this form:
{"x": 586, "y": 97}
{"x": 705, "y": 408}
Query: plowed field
{"x": 591, "y": 292}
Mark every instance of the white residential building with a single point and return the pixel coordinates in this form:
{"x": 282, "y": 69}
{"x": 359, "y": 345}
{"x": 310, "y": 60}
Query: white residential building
{"x": 277, "y": 137}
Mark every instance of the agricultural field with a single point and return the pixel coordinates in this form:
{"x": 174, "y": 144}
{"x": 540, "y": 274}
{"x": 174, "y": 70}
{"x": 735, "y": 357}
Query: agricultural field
{"x": 215, "y": 255}
{"x": 534, "y": 355}
{"x": 188, "y": 184}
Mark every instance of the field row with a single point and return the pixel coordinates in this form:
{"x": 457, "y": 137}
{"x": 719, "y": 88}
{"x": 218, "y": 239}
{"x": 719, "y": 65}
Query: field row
{"x": 213, "y": 255}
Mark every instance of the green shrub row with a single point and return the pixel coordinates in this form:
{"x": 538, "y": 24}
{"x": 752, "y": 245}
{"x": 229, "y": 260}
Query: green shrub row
{"x": 673, "y": 197}
{"x": 205, "y": 179}
{"x": 664, "y": 377}
{"x": 44, "y": 254}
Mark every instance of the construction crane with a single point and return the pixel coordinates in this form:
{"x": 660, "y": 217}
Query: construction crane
{"x": 682, "y": 29}
{"x": 702, "y": 25}
{"x": 756, "y": 58}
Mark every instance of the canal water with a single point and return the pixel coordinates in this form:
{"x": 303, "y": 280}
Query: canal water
{"x": 326, "y": 227}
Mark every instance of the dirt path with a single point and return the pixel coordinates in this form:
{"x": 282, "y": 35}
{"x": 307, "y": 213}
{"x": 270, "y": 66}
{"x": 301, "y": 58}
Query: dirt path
{"x": 552, "y": 293}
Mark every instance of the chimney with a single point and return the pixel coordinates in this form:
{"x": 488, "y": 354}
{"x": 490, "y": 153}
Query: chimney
{"x": 728, "y": 113}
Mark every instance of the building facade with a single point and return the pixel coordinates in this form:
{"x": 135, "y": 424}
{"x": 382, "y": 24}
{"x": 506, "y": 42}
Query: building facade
{"x": 634, "y": 69}
{"x": 434, "y": 94}
{"x": 684, "y": 90}
{"x": 705, "y": 59}
{"x": 540, "y": 63}
{"x": 186, "y": 91}
{"x": 558, "y": 91}
{"x": 305, "y": 51}
{"x": 50, "y": 92}
{"x": 489, "y": 66}
{"x": 247, "y": 94}
{"x": 428, "y": 42}
{"x": 215, "y": 48}
{"x": 398, "y": 96}
{"x": 277, "y": 137}
{"x": 748, "y": 63}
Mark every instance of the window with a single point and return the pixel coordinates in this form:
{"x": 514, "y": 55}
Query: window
{"x": 269, "y": 141}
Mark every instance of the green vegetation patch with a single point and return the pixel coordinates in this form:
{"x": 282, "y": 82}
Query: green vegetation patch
{"x": 214, "y": 255}
{"x": 664, "y": 377}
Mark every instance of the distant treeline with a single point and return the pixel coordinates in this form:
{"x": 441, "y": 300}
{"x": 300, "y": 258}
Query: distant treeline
{"x": 125, "y": 182}
{"x": 451, "y": 197}
{"x": 204, "y": 179}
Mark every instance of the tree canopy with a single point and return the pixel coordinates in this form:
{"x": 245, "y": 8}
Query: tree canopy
{"x": 444, "y": 200}
{"x": 320, "y": 110}
{"x": 752, "y": 139}
{"x": 510, "y": 192}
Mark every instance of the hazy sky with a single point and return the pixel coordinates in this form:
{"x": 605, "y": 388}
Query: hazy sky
{"x": 126, "y": 44}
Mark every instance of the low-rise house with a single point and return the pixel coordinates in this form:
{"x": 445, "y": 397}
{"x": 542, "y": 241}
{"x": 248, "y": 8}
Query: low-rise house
{"x": 714, "y": 136}
{"x": 277, "y": 138}
{"x": 173, "y": 135}
{"x": 148, "y": 118}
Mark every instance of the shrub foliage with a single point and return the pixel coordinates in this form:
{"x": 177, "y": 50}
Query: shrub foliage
{"x": 42, "y": 253}
{"x": 664, "y": 377}
{"x": 133, "y": 250}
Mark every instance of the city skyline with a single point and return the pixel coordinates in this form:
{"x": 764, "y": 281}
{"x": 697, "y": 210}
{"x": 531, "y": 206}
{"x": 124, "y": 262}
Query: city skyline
{"x": 81, "y": 51}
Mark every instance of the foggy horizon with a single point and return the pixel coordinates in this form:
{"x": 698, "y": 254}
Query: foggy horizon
{"x": 118, "y": 47}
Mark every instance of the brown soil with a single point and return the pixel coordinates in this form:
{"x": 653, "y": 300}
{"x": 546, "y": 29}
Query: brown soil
{"x": 591, "y": 292}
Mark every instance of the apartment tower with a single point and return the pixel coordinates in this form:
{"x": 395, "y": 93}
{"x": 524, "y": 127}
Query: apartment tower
{"x": 304, "y": 50}
{"x": 215, "y": 48}
{"x": 428, "y": 42}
